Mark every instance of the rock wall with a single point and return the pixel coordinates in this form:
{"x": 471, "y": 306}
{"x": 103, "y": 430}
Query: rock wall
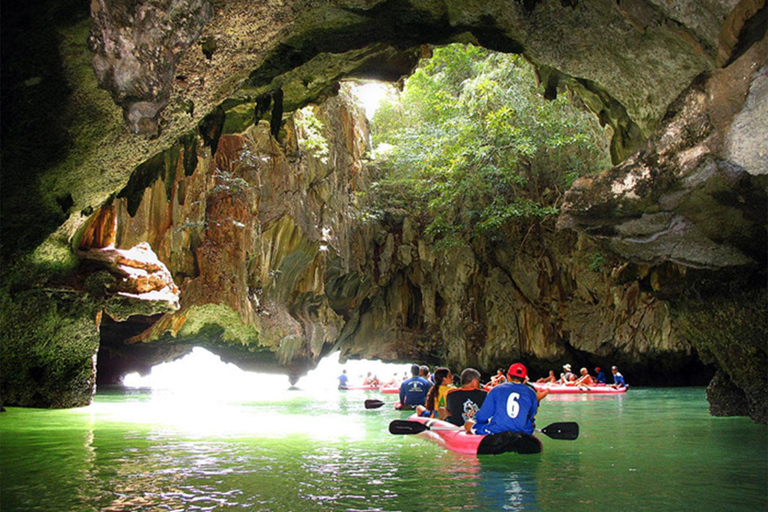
{"x": 545, "y": 302}
{"x": 279, "y": 260}
{"x": 248, "y": 234}
{"x": 170, "y": 64}
{"x": 696, "y": 195}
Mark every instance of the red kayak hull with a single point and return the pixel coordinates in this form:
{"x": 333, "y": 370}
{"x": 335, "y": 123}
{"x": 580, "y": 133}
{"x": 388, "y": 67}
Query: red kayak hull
{"x": 458, "y": 440}
{"x": 591, "y": 390}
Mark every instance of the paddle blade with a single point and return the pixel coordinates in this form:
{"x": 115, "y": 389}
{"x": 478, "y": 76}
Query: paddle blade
{"x": 568, "y": 430}
{"x": 405, "y": 427}
{"x": 374, "y": 404}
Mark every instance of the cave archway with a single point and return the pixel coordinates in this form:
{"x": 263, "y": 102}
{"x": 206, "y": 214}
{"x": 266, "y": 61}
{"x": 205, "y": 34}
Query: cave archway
{"x": 687, "y": 83}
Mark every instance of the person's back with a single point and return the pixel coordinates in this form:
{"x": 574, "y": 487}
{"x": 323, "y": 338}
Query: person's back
{"x": 463, "y": 403}
{"x": 600, "y": 378}
{"x": 413, "y": 391}
{"x": 343, "y": 380}
{"x": 508, "y": 407}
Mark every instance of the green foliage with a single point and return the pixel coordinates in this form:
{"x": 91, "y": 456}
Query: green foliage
{"x": 475, "y": 146}
{"x": 597, "y": 262}
{"x": 310, "y": 134}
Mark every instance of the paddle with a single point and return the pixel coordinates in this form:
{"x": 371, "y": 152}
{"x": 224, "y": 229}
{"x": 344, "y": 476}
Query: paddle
{"x": 375, "y": 404}
{"x": 565, "y": 431}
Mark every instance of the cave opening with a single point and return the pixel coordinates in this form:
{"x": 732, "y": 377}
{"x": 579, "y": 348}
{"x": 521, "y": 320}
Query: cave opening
{"x": 468, "y": 149}
{"x": 473, "y": 154}
{"x": 202, "y": 372}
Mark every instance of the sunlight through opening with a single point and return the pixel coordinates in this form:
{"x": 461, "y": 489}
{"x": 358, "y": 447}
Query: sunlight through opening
{"x": 204, "y": 372}
{"x": 202, "y": 395}
{"x": 371, "y": 94}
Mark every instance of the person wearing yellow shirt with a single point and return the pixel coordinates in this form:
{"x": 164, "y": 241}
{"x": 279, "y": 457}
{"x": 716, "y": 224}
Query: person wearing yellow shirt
{"x": 435, "y": 405}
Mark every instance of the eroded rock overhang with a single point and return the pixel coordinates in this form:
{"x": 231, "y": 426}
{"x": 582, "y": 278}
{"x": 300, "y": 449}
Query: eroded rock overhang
{"x": 696, "y": 193}
{"x": 627, "y": 60}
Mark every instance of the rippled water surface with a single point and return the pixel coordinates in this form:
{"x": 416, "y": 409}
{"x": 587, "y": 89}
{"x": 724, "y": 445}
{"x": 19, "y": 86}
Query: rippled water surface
{"x": 320, "y": 449}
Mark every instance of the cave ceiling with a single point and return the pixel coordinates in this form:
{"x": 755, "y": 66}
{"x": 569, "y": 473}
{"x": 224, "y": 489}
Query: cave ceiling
{"x": 168, "y": 64}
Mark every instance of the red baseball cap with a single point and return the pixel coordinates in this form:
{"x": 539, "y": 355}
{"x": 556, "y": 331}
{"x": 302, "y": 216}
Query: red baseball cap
{"x": 518, "y": 370}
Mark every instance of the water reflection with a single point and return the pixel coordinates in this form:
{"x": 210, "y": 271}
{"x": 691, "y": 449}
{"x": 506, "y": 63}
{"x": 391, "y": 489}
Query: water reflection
{"x": 583, "y": 397}
{"x": 311, "y": 453}
{"x": 509, "y": 482}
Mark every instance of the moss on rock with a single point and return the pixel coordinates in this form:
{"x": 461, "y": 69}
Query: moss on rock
{"x": 235, "y": 330}
{"x": 48, "y": 346}
{"x": 730, "y": 331}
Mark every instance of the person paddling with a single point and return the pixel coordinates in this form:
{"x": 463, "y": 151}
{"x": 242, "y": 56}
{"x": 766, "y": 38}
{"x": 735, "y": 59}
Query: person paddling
{"x": 509, "y": 407}
{"x": 463, "y": 403}
{"x": 567, "y": 376}
{"x": 435, "y": 404}
{"x": 413, "y": 391}
{"x": 551, "y": 379}
{"x": 618, "y": 378}
{"x": 585, "y": 379}
{"x": 497, "y": 379}
{"x": 600, "y": 378}
{"x": 343, "y": 380}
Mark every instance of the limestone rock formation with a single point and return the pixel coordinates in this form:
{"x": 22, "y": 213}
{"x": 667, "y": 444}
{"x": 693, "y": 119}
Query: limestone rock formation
{"x": 696, "y": 193}
{"x": 247, "y": 237}
{"x": 279, "y": 261}
{"x": 272, "y": 250}
{"x": 136, "y": 47}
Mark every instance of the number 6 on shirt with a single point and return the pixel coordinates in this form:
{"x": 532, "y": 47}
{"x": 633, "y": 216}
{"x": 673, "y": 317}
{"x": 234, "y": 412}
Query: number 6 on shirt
{"x": 513, "y": 407}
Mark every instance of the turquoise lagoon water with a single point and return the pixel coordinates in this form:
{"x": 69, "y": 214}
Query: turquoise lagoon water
{"x": 319, "y": 449}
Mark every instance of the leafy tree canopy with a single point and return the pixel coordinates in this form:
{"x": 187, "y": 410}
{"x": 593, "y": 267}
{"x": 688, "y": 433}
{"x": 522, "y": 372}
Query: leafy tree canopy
{"x": 474, "y": 146}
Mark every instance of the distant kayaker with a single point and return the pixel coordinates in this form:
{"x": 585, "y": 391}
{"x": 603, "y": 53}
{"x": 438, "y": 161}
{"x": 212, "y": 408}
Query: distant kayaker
{"x": 424, "y": 372}
{"x": 434, "y": 407}
{"x": 391, "y": 383}
{"x": 508, "y": 407}
{"x": 600, "y": 376}
{"x": 371, "y": 380}
{"x": 567, "y": 376}
{"x": 584, "y": 380}
{"x": 413, "y": 391}
{"x": 551, "y": 379}
{"x": 464, "y": 402}
{"x": 343, "y": 380}
{"x": 497, "y": 379}
{"x": 618, "y": 379}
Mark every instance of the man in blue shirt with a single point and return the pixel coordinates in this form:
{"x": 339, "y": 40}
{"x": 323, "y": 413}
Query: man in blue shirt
{"x": 413, "y": 391}
{"x": 343, "y": 380}
{"x": 618, "y": 379}
{"x": 509, "y": 407}
{"x": 600, "y": 376}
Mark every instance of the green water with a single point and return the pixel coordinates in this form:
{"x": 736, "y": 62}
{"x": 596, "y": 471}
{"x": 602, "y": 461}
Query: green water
{"x": 653, "y": 449}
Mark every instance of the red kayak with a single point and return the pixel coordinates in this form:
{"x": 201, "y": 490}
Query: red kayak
{"x": 359, "y": 388}
{"x": 390, "y": 390}
{"x": 592, "y": 390}
{"x": 458, "y": 440}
